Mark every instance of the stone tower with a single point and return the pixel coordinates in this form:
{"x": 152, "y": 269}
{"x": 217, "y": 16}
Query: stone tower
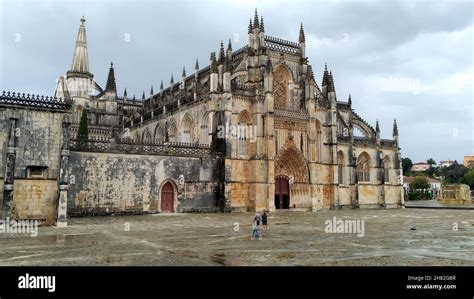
{"x": 79, "y": 79}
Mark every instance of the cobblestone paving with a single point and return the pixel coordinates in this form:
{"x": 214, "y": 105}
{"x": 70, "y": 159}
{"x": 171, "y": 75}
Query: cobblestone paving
{"x": 401, "y": 237}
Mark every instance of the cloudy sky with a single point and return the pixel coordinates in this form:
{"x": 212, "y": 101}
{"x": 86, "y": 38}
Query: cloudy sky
{"x": 409, "y": 60}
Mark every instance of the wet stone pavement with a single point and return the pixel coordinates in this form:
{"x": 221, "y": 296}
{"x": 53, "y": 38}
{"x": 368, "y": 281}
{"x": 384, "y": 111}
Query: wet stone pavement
{"x": 401, "y": 237}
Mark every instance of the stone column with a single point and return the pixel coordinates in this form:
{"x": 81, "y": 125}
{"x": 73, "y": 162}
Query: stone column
{"x": 9, "y": 170}
{"x": 354, "y": 177}
{"x": 63, "y": 177}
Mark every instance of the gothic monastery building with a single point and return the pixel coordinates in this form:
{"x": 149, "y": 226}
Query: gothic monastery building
{"x": 251, "y": 130}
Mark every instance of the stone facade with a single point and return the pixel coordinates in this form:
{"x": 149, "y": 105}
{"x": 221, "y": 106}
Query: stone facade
{"x": 31, "y": 133}
{"x": 298, "y": 132}
{"x": 127, "y": 183}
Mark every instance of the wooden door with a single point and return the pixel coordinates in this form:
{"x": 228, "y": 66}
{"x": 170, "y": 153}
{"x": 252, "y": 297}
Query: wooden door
{"x": 282, "y": 193}
{"x": 167, "y": 198}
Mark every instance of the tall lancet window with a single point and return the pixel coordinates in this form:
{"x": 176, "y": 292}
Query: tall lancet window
{"x": 204, "y": 136}
{"x": 318, "y": 141}
{"x": 340, "y": 167}
{"x": 172, "y": 131}
{"x": 160, "y": 133}
{"x": 363, "y": 167}
{"x": 243, "y": 134}
{"x": 187, "y": 129}
{"x": 386, "y": 169}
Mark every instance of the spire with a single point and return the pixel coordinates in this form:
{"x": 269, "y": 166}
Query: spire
{"x": 226, "y": 65}
{"x": 377, "y": 128}
{"x": 161, "y": 85}
{"x": 172, "y": 80}
{"x": 302, "y": 38}
{"x": 143, "y": 96}
{"x": 229, "y": 46}
{"x": 349, "y": 101}
{"x": 184, "y": 72}
{"x": 250, "y": 26}
{"x": 262, "y": 26}
{"x": 395, "y": 128}
{"x": 213, "y": 62}
{"x": 110, "y": 86}
{"x": 151, "y": 91}
{"x": 125, "y": 93}
{"x": 326, "y": 79}
{"x": 255, "y": 20}
{"x": 196, "y": 67}
{"x": 310, "y": 75}
{"x": 80, "y": 61}
{"x": 331, "y": 82}
{"x": 221, "y": 53}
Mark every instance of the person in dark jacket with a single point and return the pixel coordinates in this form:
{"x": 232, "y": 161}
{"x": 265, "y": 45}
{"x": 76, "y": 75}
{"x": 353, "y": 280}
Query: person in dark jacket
{"x": 264, "y": 220}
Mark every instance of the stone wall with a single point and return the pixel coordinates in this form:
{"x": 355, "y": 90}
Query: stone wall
{"x": 37, "y": 156}
{"x": 393, "y": 196}
{"x": 39, "y": 142}
{"x": 344, "y": 193}
{"x": 369, "y": 195}
{"x": 35, "y": 199}
{"x": 104, "y": 183}
{"x": 455, "y": 194}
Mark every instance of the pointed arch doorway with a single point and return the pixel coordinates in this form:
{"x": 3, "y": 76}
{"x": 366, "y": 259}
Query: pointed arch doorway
{"x": 167, "y": 198}
{"x": 282, "y": 192}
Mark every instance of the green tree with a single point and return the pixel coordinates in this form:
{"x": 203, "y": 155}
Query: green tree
{"x": 431, "y": 162}
{"x": 469, "y": 178}
{"x": 420, "y": 182}
{"x": 407, "y": 164}
{"x": 432, "y": 171}
{"x": 83, "y": 131}
{"x": 454, "y": 174}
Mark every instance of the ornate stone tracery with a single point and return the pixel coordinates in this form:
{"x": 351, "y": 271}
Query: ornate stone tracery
{"x": 281, "y": 79}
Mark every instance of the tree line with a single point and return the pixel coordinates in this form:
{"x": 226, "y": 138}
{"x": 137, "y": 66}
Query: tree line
{"x": 454, "y": 174}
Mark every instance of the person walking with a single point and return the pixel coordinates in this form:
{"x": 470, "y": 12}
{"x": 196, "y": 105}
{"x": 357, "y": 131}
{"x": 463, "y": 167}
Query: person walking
{"x": 258, "y": 218}
{"x": 255, "y": 231}
{"x": 264, "y": 220}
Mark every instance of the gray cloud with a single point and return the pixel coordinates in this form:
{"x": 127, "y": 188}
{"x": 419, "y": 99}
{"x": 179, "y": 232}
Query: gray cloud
{"x": 363, "y": 42}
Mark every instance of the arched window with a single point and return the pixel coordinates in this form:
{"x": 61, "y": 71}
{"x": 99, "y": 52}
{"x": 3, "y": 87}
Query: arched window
{"x": 172, "y": 130}
{"x": 187, "y": 127}
{"x": 204, "y": 135}
{"x": 363, "y": 167}
{"x": 159, "y": 133}
{"x": 136, "y": 138}
{"x": 318, "y": 141}
{"x": 146, "y": 138}
{"x": 243, "y": 134}
{"x": 386, "y": 169}
{"x": 340, "y": 167}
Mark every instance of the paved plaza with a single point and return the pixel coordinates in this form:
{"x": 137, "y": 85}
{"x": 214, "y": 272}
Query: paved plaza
{"x": 403, "y": 237}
